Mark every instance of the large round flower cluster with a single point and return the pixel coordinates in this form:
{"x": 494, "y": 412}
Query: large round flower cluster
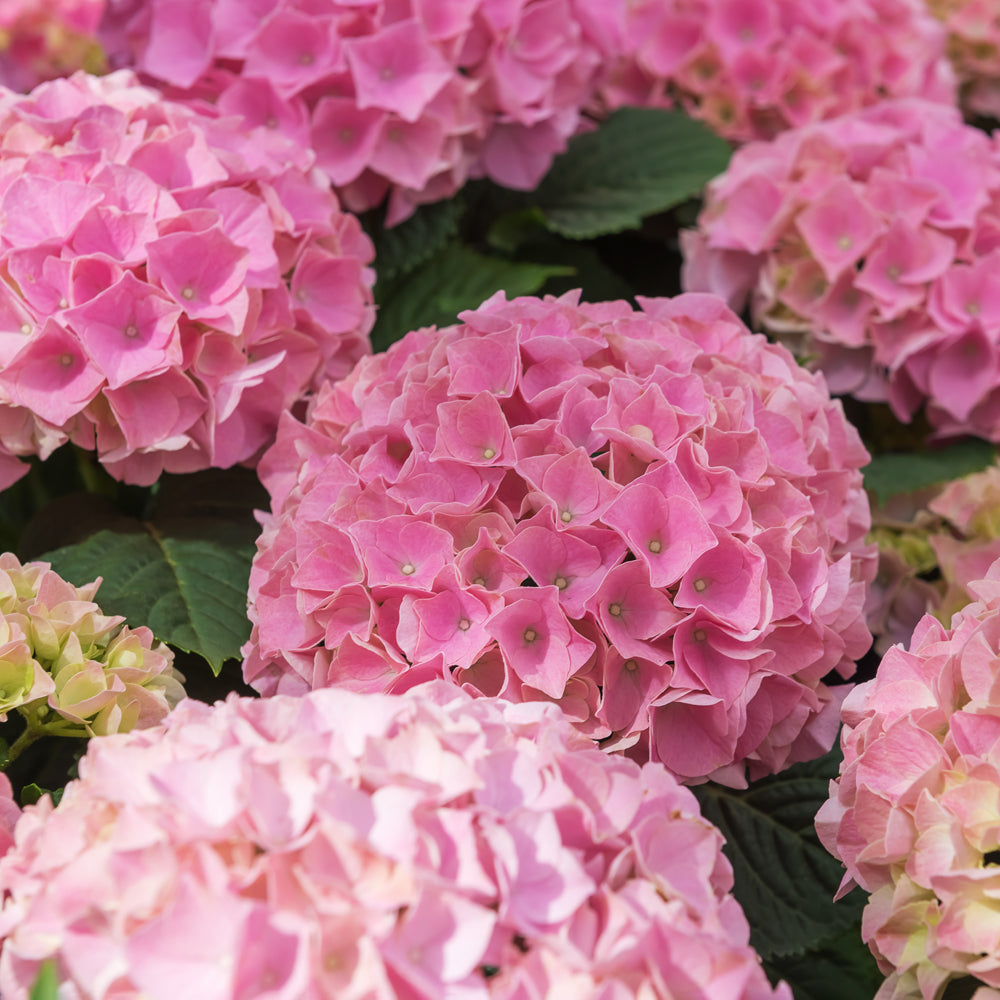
{"x": 915, "y": 814}
{"x": 43, "y": 39}
{"x": 346, "y": 846}
{"x": 409, "y": 97}
{"x": 168, "y": 282}
{"x": 753, "y": 68}
{"x": 70, "y": 670}
{"x": 859, "y": 241}
{"x": 654, "y": 519}
{"x": 974, "y": 49}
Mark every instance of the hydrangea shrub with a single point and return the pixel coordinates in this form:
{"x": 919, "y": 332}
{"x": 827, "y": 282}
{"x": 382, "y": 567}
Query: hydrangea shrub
{"x": 857, "y": 242}
{"x": 407, "y": 98}
{"x": 44, "y": 39}
{"x": 753, "y": 68}
{"x": 342, "y": 845}
{"x": 170, "y": 282}
{"x": 70, "y": 670}
{"x": 653, "y": 518}
{"x": 915, "y": 814}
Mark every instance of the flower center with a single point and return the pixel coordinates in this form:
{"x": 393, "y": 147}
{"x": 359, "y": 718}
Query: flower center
{"x": 561, "y": 582}
{"x": 488, "y": 453}
{"x": 699, "y": 585}
{"x": 530, "y": 635}
{"x": 131, "y": 331}
{"x": 566, "y": 516}
{"x": 187, "y": 292}
{"x": 615, "y": 610}
{"x": 408, "y": 569}
{"x": 464, "y": 624}
{"x": 655, "y": 546}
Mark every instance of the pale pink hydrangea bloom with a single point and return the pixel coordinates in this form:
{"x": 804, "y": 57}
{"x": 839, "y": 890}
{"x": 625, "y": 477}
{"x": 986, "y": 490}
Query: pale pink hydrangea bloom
{"x": 915, "y": 814}
{"x": 971, "y": 508}
{"x": 859, "y": 241}
{"x": 950, "y": 533}
{"x": 43, "y": 39}
{"x": 170, "y": 282}
{"x": 71, "y": 670}
{"x": 973, "y": 28}
{"x": 653, "y": 518}
{"x": 398, "y": 847}
{"x": 753, "y": 68}
{"x": 405, "y": 97}
{"x": 10, "y": 812}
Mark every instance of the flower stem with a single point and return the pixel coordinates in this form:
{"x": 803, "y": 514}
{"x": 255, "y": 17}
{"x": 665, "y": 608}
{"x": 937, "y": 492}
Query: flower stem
{"x": 29, "y": 736}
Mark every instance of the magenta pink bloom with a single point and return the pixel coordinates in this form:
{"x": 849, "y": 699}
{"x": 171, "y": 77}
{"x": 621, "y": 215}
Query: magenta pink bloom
{"x": 173, "y": 283}
{"x": 753, "y": 68}
{"x": 345, "y": 846}
{"x": 653, "y": 519}
{"x": 852, "y": 241}
{"x": 402, "y": 99}
{"x": 44, "y": 39}
{"x": 915, "y": 814}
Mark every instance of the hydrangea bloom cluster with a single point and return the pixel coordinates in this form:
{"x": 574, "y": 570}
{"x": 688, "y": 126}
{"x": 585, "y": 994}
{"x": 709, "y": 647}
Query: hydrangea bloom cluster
{"x": 169, "y": 284}
{"x": 409, "y": 97}
{"x": 915, "y": 814}
{"x": 654, "y": 519}
{"x": 857, "y": 240}
{"x": 43, "y": 39}
{"x": 753, "y": 68}
{"x": 950, "y": 533}
{"x": 343, "y": 845}
{"x": 974, "y": 49}
{"x": 10, "y": 812}
{"x": 70, "y": 670}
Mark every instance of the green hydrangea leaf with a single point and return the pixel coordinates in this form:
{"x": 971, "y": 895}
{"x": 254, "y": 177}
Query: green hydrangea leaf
{"x": 638, "y": 162}
{"x": 408, "y": 245}
{"x": 894, "y": 473}
{"x": 47, "y": 984}
{"x": 184, "y": 571}
{"x": 784, "y": 878}
{"x": 455, "y": 279}
{"x": 841, "y": 967}
{"x": 192, "y": 592}
{"x": 30, "y": 794}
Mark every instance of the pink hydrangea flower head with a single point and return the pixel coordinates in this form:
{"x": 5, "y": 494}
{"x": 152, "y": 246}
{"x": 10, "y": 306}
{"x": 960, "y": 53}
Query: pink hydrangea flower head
{"x": 404, "y": 98}
{"x": 10, "y": 812}
{"x": 338, "y": 845}
{"x": 71, "y": 670}
{"x": 753, "y": 68}
{"x": 171, "y": 281}
{"x": 44, "y": 39}
{"x": 915, "y": 813}
{"x": 973, "y": 28}
{"x": 654, "y": 519}
{"x": 932, "y": 545}
{"x": 857, "y": 243}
